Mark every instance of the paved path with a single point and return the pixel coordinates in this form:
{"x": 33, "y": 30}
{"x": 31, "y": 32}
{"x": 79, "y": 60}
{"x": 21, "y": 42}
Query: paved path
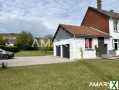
{"x": 24, "y": 61}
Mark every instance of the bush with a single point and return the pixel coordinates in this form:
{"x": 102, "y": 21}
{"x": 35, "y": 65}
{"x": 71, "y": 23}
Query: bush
{"x": 46, "y": 48}
{"x": 24, "y": 41}
{"x": 50, "y": 48}
{"x": 10, "y": 48}
{"x": 28, "y": 47}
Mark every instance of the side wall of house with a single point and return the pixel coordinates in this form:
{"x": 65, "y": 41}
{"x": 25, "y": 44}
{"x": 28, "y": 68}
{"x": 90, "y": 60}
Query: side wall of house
{"x": 63, "y": 38}
{"x": 80, "y": 50}
{"x": 96, "y": 20}
{"x": 76, "y": 45}
{"x": 114, "y": 35}
{"x": 64, "y": 42}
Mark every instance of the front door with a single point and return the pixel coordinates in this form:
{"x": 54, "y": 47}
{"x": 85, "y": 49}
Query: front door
{"x": 102, "y": 48}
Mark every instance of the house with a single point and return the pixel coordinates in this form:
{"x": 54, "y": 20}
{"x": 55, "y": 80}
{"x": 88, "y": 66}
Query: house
{"x": 97, "y": 36}
{"x": 10, "y": 38}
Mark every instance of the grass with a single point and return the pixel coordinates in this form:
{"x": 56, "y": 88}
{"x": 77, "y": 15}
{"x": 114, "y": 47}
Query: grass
{"x": 66, "y": 76}
{"x": 33, "y": 53}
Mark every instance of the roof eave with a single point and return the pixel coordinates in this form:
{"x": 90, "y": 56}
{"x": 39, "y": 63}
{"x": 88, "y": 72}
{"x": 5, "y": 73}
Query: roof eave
{"x": 78, "y": 36}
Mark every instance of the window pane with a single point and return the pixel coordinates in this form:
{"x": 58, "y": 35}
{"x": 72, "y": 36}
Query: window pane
{"x": 115, "y": 23}
{"x": 88, "y": 43}
{"x": 115, "y": 40}
{"x": 116, "y": 46}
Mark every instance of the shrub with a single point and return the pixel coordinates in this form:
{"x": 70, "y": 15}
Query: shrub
{"x": 24, "y": 40}
{"x": 28, "y": 47}
{"x": 50, "y": 48}
{"x": 10, "y": 48}
{"x": 46, "y": 48}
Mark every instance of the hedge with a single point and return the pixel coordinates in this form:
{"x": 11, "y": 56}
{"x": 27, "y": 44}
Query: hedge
{"x": 10, "y": 48}
{"x": 27, "y": 47}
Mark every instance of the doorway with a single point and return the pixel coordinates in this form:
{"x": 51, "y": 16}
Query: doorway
{"x": 66, "y": 51}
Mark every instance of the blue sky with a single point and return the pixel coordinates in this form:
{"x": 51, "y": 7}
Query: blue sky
{"x": 42, "y": 17}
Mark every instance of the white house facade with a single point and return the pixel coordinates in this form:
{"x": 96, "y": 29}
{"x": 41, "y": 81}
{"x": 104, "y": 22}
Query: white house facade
{"x": 90, "y": 40}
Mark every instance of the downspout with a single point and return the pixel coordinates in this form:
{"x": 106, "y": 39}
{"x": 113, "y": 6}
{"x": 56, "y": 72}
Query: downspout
{"x": 74, "y": 36}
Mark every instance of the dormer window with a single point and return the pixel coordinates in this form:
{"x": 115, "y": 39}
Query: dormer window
{"x": 115, "y": 25}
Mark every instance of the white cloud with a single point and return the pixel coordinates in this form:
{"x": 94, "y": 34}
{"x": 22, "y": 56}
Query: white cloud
{"x": 43, "y": 16}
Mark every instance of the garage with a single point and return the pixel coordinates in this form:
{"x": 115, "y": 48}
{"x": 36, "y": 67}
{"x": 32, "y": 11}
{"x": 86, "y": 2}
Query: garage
{"x": 66, "y": 51}
{"x": 58, "y": 51}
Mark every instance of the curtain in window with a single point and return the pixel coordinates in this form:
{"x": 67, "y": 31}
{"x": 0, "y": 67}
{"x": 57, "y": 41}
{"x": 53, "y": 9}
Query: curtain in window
{"x": 88, "y": 43}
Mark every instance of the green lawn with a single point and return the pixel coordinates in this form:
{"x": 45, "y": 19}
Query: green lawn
{"x": 33, "y": 53}
{"x": 67, "y": 76}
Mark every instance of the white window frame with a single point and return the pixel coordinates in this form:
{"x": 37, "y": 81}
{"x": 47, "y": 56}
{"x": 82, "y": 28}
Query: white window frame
{"x": 115, "y": 25}
{"x": 117, "y": 42}
{"x": 89, "y": 48}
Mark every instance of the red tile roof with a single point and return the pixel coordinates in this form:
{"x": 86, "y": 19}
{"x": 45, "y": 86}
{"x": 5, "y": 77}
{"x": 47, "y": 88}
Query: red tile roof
{"x": 84, "y": 31}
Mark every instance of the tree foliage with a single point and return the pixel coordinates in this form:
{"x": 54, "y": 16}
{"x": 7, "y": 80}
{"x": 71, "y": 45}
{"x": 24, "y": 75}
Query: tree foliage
{"x": 24, "y": 40}
{"x": 49, "y": 36}
{"x": 2, "y": 41}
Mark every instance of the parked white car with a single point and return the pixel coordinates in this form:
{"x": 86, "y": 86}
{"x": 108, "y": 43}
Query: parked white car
{"x": 6, "y": 54}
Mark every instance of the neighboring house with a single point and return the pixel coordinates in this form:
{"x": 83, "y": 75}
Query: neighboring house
{"x": 10, "y": 38}
{"x": 97, "y": 36}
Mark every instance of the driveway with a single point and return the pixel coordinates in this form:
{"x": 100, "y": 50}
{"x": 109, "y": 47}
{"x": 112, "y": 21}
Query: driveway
{"x": 24, "y": 61}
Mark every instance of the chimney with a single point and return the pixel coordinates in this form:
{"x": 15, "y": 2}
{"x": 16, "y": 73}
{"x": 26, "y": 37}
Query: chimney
{"x": 99, "y": 4}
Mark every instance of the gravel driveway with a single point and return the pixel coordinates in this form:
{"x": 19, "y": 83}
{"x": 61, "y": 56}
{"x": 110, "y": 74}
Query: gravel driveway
{"x": 24, "y": 61}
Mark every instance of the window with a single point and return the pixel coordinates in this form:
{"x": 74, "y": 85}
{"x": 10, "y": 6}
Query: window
{"x": 115, "y": 44}
{"x": 115, "y": 25}
{"x": 88, "y": 43}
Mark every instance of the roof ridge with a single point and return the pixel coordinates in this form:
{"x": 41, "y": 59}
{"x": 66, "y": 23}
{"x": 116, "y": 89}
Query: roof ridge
{"x": 103, "y": 10}
{"x": 70, "y": 25}
{"x": 106, "y": 12}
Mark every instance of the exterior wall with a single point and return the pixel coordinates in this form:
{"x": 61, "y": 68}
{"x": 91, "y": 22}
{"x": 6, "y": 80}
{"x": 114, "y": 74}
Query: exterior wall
{"x": 114, "y": 35}
{"x": 76, "y": 44}
{"x": 108, "y": 41}
{"x": 87, "y": 54}
{"x": 96, "y": 20}
{"x": 61, "y": 35}
{"x": 63, "y": 42}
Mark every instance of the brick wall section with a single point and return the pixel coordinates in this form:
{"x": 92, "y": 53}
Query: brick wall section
{"x": 96, "y": 20}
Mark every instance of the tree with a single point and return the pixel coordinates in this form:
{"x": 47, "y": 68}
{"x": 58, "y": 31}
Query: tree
{"x": 46, "y": 43}
{"x": 24, "y": 40}
{"x": 2, "y": 41}
{"x": 49, "y": 36}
